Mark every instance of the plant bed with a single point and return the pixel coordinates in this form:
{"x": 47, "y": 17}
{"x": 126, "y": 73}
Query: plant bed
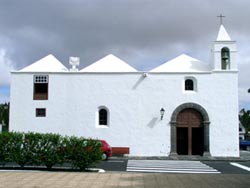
{"x": 48, "y": 151}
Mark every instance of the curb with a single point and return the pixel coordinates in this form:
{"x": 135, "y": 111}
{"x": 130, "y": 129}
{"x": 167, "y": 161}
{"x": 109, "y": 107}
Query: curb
{"x": 244, "y": 156}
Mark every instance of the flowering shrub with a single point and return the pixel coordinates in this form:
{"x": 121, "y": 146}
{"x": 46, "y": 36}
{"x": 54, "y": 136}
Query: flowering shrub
{"x": 83, "y": 152}
{"x": 18, "y": 149}
{"x": 4, "y": 149}
{"x": 48, "y": 149}
{"x": 45, "y": 149}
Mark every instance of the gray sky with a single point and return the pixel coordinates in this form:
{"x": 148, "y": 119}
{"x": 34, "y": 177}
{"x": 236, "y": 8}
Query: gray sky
{"x": 144, "y": 33}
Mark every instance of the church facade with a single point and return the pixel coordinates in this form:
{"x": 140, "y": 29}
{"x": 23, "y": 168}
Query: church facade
{"x": 182, "y": 107}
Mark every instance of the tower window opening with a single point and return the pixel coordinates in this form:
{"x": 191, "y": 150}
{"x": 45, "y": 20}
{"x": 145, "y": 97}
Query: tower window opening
{"x": 225, "y": 58}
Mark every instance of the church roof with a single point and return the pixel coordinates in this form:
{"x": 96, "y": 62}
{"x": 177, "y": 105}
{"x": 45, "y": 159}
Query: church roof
{"x": 223, "y": 35}
{"x": 110, "y": 63}
{"x": 182, "y": 63}
{"x": 46, "y": 64}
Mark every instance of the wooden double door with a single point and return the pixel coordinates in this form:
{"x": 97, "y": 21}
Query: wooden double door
{"x": 190, "y": 133}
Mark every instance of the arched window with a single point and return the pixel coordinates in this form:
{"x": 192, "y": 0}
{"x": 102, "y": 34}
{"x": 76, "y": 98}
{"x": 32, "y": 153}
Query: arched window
{"x": 189, "y": 85}
{"x": 225, "y": 58}
{"x": 103, "y": 117}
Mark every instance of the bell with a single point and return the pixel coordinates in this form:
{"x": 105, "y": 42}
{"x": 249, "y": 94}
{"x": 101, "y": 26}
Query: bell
{"x": 225, "y": 56}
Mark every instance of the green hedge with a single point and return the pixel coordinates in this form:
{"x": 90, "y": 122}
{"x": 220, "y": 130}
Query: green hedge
{"x": 48, "y": 149}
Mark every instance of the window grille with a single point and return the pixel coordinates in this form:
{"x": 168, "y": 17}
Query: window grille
{"x": 41, "y": 79}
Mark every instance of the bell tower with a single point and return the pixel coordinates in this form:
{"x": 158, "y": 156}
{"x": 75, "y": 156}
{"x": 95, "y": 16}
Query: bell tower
{"x": 223, "y": 52}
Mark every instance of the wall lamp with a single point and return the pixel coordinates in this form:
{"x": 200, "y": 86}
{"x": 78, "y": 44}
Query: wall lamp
{"x": 162, "y": 111}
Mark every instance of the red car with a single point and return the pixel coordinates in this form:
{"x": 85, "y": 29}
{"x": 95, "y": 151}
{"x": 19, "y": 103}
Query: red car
{"x": 107, "y": 150}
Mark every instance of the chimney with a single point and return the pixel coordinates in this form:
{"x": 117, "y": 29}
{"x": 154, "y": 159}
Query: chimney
{"x": 74, "y": 62}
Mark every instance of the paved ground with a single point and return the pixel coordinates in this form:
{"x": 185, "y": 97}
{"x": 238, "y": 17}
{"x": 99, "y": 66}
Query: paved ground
{"x": 123, "y": 180}
{"x": 36, "y": 179}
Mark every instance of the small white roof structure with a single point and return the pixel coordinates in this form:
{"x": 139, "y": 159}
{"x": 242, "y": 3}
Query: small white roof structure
{"x": 109, "y": 63}
{"x": 182, "y": 63}
{"x": 223, "y": 35}
{"x": 46, "y": 64}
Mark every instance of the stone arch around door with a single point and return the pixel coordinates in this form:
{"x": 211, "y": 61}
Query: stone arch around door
{"x": 205, "y": 122}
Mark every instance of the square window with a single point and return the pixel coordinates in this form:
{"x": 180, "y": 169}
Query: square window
{"x": 40, "y": 112}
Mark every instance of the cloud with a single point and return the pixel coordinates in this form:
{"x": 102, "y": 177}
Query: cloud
{"x": 244, "y": 83}
{"x": 6, "y": 66}
{"x": 133, "y": 30}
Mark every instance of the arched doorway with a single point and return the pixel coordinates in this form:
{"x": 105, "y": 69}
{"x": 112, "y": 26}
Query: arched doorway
{"x": 190, "y": 126}
{"x": 189, "y": 132}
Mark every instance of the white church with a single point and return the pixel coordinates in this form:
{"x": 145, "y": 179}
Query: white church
{"x": 182, "y": 107}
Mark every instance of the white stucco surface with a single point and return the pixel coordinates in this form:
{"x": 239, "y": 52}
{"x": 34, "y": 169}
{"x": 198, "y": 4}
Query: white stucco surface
{"x": 223, "y": 35}
{"x": 183, "y": 63}
{"x": 46, "y": 64}
{"x": 134, "y": 103}
{"x": 109, "y": 63}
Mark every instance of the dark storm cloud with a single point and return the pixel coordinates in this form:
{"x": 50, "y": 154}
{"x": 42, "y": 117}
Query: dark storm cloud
{"x": 143, "y": 33}
{"x": 94, "y": 28}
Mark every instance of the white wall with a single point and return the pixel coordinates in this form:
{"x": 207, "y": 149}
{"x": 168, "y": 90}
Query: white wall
{"x": 134, "y": 103}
